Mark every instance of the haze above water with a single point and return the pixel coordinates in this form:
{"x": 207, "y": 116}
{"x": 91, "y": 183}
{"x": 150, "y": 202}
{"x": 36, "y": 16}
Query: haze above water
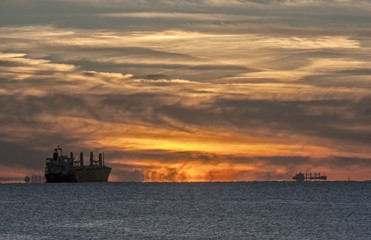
{"x": 245, "y": 210}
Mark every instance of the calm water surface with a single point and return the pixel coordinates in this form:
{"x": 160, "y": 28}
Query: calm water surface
{"x": 246, "y": 210}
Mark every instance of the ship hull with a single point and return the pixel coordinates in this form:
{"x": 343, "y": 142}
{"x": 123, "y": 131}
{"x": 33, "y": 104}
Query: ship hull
{"x": 84, "y": 174}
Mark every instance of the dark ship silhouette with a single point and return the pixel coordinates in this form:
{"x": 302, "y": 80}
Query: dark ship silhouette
{"x": 61, "y": 168}
{"x": 300, "y": 177}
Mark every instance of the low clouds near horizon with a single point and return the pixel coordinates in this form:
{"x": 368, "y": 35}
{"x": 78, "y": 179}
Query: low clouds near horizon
{"x": 188, "y": 90}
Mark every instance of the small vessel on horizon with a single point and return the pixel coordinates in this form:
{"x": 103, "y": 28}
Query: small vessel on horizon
{"x": 300, "y": 177}
{"x": 63, "y": 168}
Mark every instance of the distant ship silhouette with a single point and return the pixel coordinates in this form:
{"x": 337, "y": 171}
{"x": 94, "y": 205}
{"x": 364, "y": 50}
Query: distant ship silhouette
{"x": 300, "y": 177}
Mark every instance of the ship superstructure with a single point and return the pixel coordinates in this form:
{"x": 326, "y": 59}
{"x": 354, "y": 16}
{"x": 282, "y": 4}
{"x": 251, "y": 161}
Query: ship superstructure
{"x": 64, "y": 168}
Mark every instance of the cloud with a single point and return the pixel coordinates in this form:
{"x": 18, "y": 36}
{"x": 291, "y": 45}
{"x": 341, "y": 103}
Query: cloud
{"x": 188, "y": 90}
{"x": 192, "y": 54}
{"x": 181, "y": 15}
{"x": 301, "y": 110}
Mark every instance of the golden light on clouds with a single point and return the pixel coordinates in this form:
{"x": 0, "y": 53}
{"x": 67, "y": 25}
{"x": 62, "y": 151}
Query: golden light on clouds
{"x": 191, "y": 171}
{"x": 219, "y": 91}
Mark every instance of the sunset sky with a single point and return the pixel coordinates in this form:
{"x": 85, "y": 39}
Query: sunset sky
{"x": 188, "y": 90}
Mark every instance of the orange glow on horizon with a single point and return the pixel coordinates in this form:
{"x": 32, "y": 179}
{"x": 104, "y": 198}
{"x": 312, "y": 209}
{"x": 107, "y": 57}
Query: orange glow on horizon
{"x": 190, "y": 171}
{"x": 217, "y": 141}
{"x": 226, "y": 171}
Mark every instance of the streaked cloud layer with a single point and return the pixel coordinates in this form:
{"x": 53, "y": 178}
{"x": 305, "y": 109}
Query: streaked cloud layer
{"x": 188, "y": 90}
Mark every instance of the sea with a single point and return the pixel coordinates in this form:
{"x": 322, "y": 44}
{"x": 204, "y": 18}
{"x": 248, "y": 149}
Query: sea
{"x": 224, "y": 210}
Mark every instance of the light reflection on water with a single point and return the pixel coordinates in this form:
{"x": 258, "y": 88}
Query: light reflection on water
{"x": 258, "y": 210}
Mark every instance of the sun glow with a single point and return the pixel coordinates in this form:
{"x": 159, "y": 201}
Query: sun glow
{"x": 190, "y": 170}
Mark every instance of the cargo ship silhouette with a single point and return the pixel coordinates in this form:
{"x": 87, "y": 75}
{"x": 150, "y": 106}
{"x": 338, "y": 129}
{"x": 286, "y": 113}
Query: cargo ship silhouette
{"x": 300, "y": 177}
{"x": 63, "y": 168}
